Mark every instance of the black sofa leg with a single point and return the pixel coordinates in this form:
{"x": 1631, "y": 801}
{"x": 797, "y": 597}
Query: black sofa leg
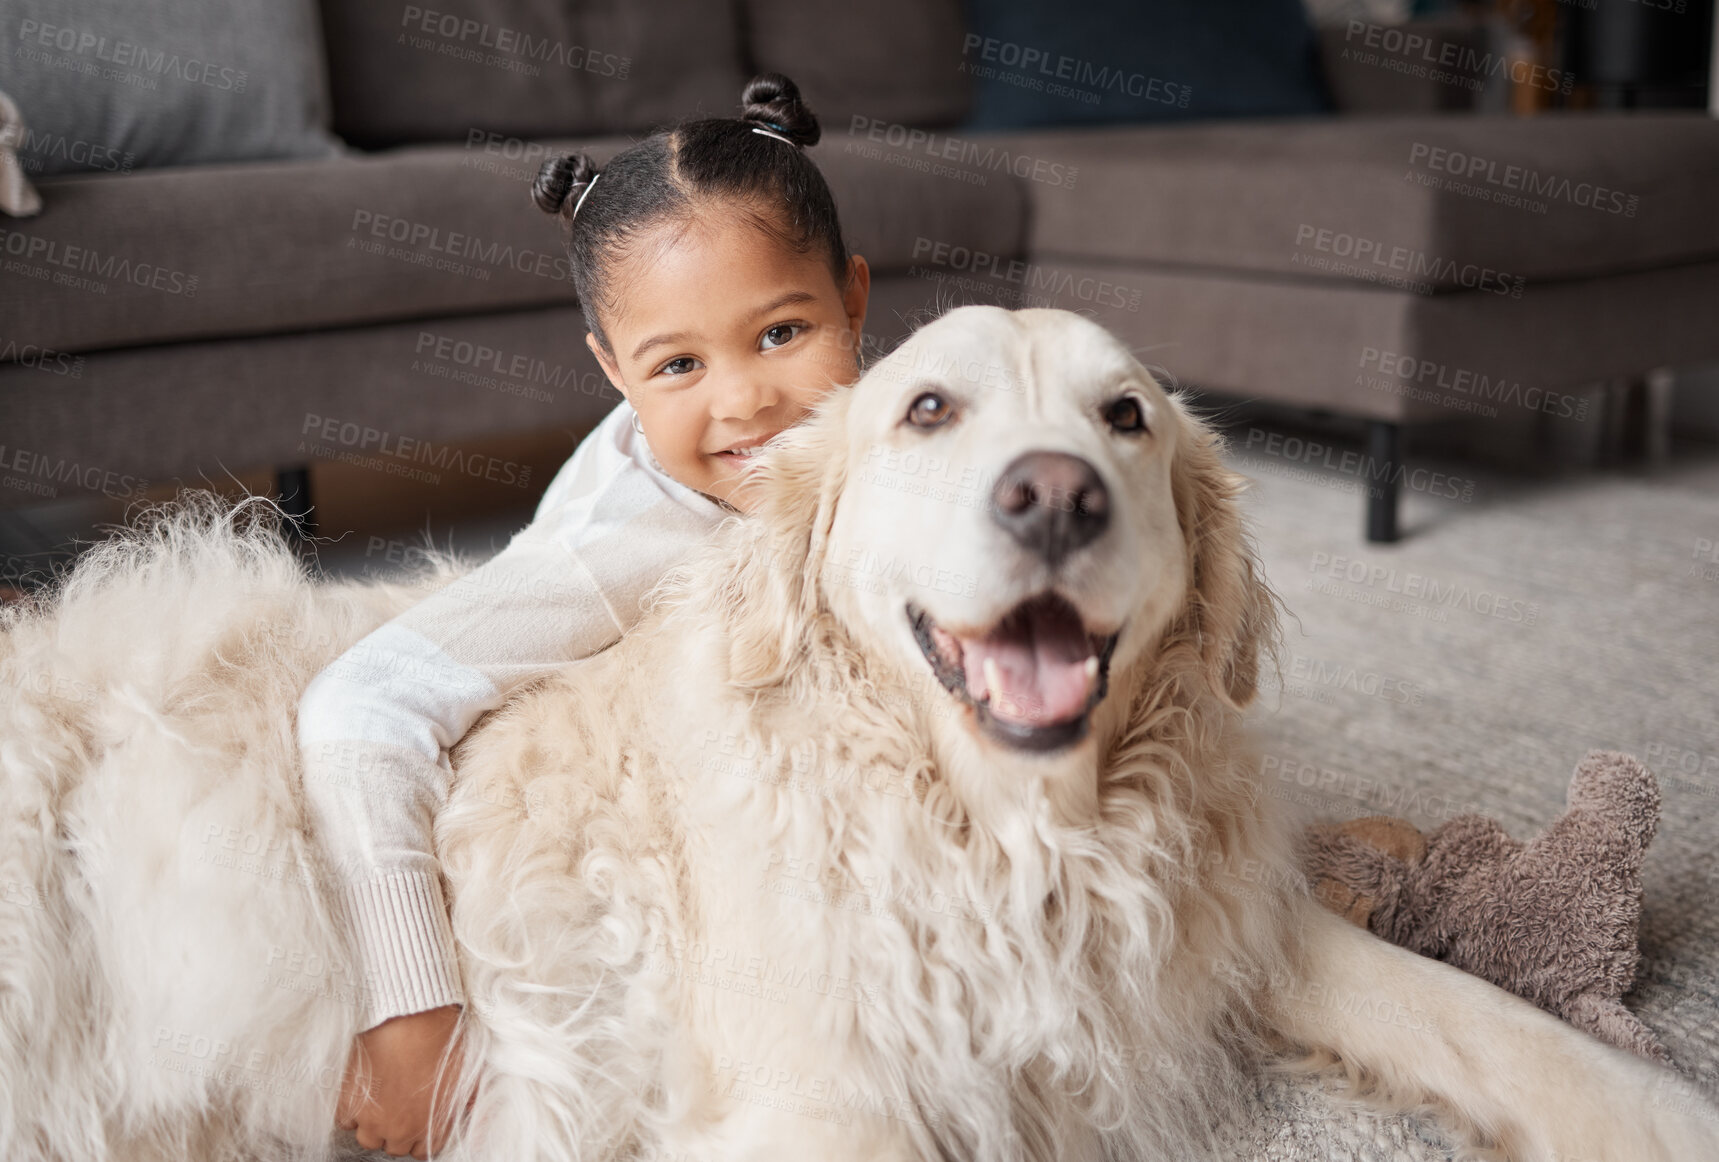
{"x": 292, "y": 489}
{"x": 1383, "y": 440}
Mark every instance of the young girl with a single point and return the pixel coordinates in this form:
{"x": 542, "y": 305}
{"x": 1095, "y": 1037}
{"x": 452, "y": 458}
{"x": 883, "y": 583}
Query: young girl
{"x": 722, "y": 303}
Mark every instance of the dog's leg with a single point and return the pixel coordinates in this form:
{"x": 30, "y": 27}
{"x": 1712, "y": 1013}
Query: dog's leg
{"x": 1536, "y": 1087}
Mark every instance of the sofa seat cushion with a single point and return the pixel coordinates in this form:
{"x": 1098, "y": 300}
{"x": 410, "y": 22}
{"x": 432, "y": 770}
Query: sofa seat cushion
{"x": 210, "y": 252}
{"x": 1427, "y": 203}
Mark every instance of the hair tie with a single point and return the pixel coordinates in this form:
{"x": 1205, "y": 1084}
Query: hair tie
{"x": 777, "y": 136}
{"x": 583, "y": 195}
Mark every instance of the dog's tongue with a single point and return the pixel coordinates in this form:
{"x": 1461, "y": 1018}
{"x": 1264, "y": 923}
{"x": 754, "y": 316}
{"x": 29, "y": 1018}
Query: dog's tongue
{"x": 1034, "y": 666}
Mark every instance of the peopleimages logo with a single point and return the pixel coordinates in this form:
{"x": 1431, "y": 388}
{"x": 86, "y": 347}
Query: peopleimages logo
{"x": 462, "y": 361}
{"x": 426, "y": 242}
{"x": 1085, "y": 79}
{"x": 40, "y": 358}
{"x": 37, "y": 148}
{"x": 1420, "y": 587}
{"x": 1376, "y": 261}
{"x": 457, "y": 33}
{"x": 74, "y": 261}
{"x": 1472, "y": 167}
{"x": 124, "y": 54}
{"x": 1314, "y": 679}
{"x": 1429, "y": 56}
{"x": 1408, "y": 369}
{"x": 351, "y": 442}
{"x": 497, "y": 150}
{"x": 962, "y": 150}
{"x": 1031, "y": 276}
{"x": 38, "y": 473}
{"x": 1355, "y": 466}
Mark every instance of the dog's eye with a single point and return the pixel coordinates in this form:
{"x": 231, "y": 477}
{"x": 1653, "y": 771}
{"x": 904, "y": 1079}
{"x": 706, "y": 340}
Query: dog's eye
{"x": 1124, "y": 414}
{"x": 929, "y": 410}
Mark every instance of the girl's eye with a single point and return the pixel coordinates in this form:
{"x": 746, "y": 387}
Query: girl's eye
{"x": 929, "y": 410}
{"x": 680, "y": 365}
{"x": 1124, "y": 414}
{"x": 781, "y": 334}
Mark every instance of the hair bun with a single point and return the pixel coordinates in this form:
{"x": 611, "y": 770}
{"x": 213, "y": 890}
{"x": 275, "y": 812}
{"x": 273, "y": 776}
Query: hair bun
{"x": 773, "y": 102}
{"x": 560, "y": 180}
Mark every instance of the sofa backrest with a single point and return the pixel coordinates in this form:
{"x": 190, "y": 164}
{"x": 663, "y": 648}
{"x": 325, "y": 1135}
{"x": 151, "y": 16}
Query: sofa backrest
{"x": 436, "y": 70}
{"x": 889, "y": 60}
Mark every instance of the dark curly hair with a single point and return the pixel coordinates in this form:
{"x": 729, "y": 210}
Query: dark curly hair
{"x": 775, "y": 185}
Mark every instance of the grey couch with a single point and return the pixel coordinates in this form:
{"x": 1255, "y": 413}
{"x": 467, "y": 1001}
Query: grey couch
{"x": 273, "y": 313}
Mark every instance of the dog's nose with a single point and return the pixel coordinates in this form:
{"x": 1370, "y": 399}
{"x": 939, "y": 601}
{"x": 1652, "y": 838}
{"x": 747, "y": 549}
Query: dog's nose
{"x": 1051, "y": 502}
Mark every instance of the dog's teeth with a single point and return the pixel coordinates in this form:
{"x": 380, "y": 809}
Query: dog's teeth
{"x": 993, "y": 678}
{"x": 1092, "y": 668}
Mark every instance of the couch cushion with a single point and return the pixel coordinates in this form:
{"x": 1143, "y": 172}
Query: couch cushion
{"x": 108, "y": 85}
{"x": 219, "y": 251}
{"x": 1036, "y": 63}
{"x": 1426, "y": 202}
{"x": 435, "y": 70}
{"x": 117, "y": 422}
{"x": 895, "y": 61}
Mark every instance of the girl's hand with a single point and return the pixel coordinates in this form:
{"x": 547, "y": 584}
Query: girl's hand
{"x": 397, "y": 1061}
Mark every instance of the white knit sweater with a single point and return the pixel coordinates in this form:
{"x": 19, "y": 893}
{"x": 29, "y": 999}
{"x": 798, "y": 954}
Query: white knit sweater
{"x": 374, "y": 728}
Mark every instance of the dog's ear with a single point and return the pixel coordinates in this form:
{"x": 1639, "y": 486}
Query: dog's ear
{"x": 1231, "y": 619}
{"x": 772, "y": 596}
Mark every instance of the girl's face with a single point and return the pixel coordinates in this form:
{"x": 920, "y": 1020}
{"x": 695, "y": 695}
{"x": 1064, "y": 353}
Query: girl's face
{"x": 723, "y": 338}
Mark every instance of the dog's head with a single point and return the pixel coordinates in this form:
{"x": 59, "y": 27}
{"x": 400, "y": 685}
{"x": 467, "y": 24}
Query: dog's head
{"x": 1011, "y": 503}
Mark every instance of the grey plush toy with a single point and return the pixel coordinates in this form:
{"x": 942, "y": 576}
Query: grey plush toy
{"x": 1552, "y": 920}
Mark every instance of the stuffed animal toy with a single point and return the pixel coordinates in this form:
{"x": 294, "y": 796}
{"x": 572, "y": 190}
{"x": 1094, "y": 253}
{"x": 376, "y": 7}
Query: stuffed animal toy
{"x": 1552, "y": 920}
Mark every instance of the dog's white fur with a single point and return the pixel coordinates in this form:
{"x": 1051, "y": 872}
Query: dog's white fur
{"x": 748, "y": 885}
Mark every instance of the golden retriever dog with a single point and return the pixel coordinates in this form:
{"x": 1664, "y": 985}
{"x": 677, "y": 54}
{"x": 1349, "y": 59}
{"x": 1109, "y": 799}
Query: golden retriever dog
{"x": 916, "y": 820}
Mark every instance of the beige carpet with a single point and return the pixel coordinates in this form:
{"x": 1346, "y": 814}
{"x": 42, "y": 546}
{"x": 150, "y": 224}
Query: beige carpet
{"x": 1469, "y": 667}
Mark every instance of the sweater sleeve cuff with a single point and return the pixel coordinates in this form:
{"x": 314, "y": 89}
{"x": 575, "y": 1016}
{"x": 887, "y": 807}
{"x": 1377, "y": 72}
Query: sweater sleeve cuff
{"x": 404, "y": 943}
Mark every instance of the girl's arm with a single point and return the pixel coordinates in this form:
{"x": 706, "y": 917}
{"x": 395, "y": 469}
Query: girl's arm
{"x": 374, "y": 727}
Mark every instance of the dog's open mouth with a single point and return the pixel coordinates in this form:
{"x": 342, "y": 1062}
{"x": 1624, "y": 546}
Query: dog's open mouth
{"x": 1033, "y": 678}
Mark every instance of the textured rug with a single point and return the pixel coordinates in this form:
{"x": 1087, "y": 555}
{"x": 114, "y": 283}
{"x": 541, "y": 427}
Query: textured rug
{"x": 1468, "y": 668}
